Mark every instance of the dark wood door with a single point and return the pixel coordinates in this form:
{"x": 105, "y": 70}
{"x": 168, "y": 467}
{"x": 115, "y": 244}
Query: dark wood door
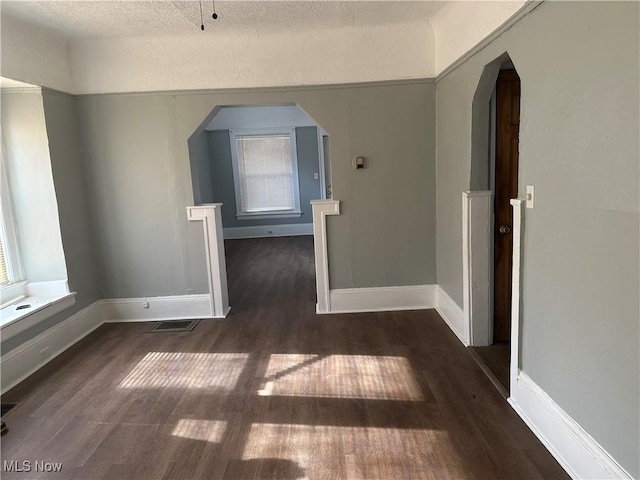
{"x": 506, "y": 188}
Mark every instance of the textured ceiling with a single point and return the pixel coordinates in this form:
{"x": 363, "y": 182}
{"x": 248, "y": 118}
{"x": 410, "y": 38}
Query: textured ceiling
{"x": 83, "y": 19}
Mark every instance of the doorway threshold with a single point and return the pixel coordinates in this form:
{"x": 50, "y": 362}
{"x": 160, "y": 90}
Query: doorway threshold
{"x": 491, "y": 368}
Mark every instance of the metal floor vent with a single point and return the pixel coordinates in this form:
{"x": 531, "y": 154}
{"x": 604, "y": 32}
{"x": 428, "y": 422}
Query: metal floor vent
{"x": 6, "y": 407}
{"x": 175, "y": 326}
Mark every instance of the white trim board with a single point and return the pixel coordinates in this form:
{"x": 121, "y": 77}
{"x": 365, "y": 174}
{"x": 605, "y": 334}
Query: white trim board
{"x": 29, "y": 357}
{"x": 261, "y": 231}
{"x": 152, "y": 309}
{"x": 320, "y": 209}
{"x": 211, "y": 217}
{"x": 476, "y": 267}
{"x": 452, "y": 314}
{"x": 516, "y": 290}
{"x": 576, "y": 451}
{"x": 382, "y": 299}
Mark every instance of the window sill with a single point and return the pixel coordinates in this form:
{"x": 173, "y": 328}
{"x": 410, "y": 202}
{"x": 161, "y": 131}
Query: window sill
{"x": 268, "y": 215}
{"x": 44, "y": 300}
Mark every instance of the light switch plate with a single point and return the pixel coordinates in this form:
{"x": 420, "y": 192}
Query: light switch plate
{"x": 530, "y": 196}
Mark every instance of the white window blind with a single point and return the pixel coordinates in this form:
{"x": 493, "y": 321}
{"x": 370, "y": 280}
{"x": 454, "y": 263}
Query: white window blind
{"x": 266, "y": 173}
{"x": 4, "y": 275}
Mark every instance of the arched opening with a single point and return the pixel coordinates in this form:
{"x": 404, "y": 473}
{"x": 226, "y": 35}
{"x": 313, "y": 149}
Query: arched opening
{"x": 263, "y": 165}
{"x": 488, "y": 217}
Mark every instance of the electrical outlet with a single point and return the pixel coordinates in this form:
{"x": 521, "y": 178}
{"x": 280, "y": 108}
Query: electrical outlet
{"x": 45, "y": 352}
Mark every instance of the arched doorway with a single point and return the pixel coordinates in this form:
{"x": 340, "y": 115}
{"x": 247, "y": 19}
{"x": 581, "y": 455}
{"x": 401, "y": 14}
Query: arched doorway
{"x": 259, "y": 167}
{"x": 488, "y": 218}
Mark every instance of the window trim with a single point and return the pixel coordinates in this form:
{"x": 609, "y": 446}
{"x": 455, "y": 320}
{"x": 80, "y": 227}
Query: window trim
{"x": 23, "y": 304}
{"x": 295, "y": 212}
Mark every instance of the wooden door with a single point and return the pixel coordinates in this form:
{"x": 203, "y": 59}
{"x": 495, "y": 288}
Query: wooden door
{"x": 506, "y": 188}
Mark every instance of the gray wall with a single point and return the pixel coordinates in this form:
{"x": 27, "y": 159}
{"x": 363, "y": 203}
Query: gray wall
{"x": 63, "y": 159}
{"x": 68, "y": 175}
{"x": 579, "y": 66}
{"x": 221, "y": 174}
{"x": 199, "y": 154}
{"x": 139, "y": 177}
{"x": 222, "y": 179}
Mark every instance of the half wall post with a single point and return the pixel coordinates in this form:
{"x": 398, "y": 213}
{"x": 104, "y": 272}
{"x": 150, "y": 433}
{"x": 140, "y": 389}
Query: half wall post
{"x": 211, "y": 217}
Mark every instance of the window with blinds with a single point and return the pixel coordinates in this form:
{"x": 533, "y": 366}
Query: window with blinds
{"x": 265, "y": 173}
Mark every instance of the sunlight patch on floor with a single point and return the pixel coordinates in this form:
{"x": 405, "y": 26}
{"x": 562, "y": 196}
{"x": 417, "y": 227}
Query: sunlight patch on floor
{"x": 196, "y": 429}
{"x": 219, "y": 371}
{"x": 367, "y": 452}
{"x": 341, "y": 376}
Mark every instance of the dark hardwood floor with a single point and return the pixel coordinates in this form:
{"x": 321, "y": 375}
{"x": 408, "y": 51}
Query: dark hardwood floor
{"x": 494, "y": 360}
{"x": 272, "y": 391}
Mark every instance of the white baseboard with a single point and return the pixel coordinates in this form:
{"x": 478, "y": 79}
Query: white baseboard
{"x": 292, "y": 230}
{"x": 451, "y": 313}
{"x": 382, "y": 299}
{"x": 24, "y": 360}
{"x": 150, "y": 309}
{"x": 27, "y": 358}
{"x": 576, "y": 451}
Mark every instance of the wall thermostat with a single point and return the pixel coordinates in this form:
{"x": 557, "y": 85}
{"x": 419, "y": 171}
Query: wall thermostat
{"x": 358, "y": 162}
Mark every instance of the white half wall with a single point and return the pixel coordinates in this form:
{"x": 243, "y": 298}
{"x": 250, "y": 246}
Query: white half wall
{"x": 322, "y": 208}
{"x": 476, "y": 266}
{"x": 211, "y": 217}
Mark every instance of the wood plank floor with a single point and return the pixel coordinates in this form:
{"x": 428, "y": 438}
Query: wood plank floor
{"x": 495, "y": 358}
{"x": 273, "y": 391}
